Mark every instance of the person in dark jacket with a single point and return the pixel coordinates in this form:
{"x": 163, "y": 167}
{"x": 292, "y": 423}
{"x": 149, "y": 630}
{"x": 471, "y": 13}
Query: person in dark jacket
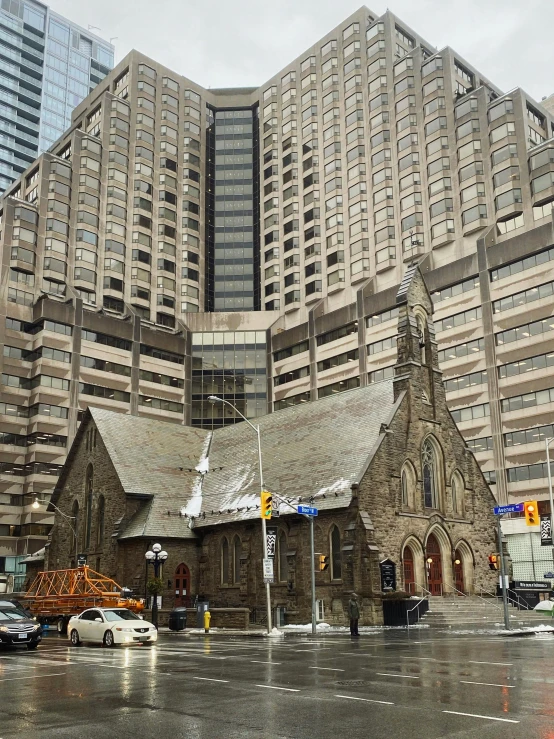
{"x": 354, "y": 614}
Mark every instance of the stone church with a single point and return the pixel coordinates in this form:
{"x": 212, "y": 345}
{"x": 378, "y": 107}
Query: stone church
{"x": 385, "y": 465}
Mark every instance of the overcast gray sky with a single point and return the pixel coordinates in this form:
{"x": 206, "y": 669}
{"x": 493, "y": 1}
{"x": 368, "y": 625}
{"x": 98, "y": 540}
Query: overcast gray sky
{"x": 218, "y": 43}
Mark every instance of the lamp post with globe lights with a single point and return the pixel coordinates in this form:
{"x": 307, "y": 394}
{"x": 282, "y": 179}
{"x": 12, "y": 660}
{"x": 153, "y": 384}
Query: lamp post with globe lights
{"x": 156, "y": 557}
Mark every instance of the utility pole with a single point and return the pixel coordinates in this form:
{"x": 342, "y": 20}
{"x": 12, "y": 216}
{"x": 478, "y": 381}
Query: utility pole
{"x": 503, "y": 577}
{"x": 312, "y": 553}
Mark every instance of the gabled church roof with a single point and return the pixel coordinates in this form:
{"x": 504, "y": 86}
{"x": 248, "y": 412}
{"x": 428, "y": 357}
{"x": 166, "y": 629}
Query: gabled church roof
{"x": 314, "y": 450}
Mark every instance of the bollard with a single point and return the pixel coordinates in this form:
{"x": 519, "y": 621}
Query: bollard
{"x": 207, "y": 619}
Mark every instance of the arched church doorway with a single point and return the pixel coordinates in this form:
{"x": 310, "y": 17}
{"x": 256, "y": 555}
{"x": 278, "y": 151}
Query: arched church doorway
{"x": 182, "y": 585}
{"x": 434, "y": 566}
{"x": 409, "y": 571}
{"x": 459, "y": 572}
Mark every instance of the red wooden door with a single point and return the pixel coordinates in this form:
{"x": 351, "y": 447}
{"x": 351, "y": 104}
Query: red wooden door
{"x": 434, "y": 566}
{"x": 182, "y": 585}
{"x": 409, "y": 575}
{"x": 458, "y": 573}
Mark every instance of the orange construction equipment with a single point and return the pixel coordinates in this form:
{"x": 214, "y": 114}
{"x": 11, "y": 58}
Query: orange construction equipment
{"x": 60, "y": 594}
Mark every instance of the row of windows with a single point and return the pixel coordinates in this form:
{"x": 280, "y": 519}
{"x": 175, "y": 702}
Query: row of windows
{"x": 524, "y": 332}
{"x": 529, "y": 436}
{"x": 526, "y": 296}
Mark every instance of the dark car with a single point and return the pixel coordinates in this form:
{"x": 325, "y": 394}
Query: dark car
{"x": 17, "y": 628}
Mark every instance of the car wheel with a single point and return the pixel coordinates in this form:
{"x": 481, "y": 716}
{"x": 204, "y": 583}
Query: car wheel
{"x": 109, "y": 641}
{"x": 75, "y": 641}
{"x": 62, "y": 626}
{"x": 32, "y": 645}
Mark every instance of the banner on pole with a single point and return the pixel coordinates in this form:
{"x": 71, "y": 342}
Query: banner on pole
{"x": 271, "y": 541}
{"x": 546, "y": 531}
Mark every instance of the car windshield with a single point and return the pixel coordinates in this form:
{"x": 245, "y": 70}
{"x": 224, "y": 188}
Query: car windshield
{"x": 120, "y": 614}
{"x": 12, "y": 614}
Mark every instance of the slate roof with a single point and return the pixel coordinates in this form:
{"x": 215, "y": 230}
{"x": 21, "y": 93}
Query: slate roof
{"x": 317, "y": 449}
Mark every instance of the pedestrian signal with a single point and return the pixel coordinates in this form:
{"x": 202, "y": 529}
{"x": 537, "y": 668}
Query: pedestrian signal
{"x": 266, "y": 507}
{"x": 493, "y": 561}
{"x": 323, "y": 563}
{"x": 531, "y": 508}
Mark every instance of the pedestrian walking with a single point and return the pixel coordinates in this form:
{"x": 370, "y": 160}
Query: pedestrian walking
{"x": 354, "y": 614}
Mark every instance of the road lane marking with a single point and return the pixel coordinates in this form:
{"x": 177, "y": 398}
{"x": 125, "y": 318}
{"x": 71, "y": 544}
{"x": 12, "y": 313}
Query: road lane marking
{"x": 499, "y": 664}
{"x": 431, "y": 659}
{"x": 30, "y": 677}
{"x": 259, "y": 662}
{"x": 210, "y": 679}
{"x": 392, "y": 674}
{"x": 276, "y": 687}
{"x": 493, "y": 685}
{"x": 365, "y": 700}
{"x": 335, "y": 669}
{"x": 489, "y": 718}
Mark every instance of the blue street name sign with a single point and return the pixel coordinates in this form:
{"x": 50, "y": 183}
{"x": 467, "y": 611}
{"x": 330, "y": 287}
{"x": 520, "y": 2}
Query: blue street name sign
{"x": 514, "y": 508}
{"x": 307, "y": 510}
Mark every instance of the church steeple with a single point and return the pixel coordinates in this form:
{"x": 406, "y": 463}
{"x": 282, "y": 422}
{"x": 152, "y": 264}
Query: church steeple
{"x": 417, "y": 352}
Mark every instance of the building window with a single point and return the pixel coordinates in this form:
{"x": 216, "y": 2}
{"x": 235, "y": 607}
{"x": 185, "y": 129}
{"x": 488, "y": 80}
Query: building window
{"x": 408, "y": 484}
{"x": 100, "y": 522}
{"x": 89, "y": 485}
{"x": 430, "y": 475}
{"x": 224, "y": 562}
{"x": 77, "y": 520}
{"x": 336, "y": 560}
{"x": 237, "y": 551}
{"x": 457, "y": 487}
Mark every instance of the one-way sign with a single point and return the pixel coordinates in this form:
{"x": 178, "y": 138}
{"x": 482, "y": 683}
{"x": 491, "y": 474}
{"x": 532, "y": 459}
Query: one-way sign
{"x": 307, "y": 510}
{"x": 499, "y": 510}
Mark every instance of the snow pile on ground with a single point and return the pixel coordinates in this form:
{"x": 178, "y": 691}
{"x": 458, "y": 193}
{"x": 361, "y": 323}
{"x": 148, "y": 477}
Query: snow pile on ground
{"x": 275, "y": 632}
{"x": 541, "y": 629}
{"x": 327, "y": 628}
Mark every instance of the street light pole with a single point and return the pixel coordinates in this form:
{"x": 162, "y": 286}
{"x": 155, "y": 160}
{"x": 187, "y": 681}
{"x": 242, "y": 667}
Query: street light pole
{"x": 156, "y": 556}
{"x": 216, "y": 399}
{"x": 36, "y": 504}
{"x": 503, "y": 576}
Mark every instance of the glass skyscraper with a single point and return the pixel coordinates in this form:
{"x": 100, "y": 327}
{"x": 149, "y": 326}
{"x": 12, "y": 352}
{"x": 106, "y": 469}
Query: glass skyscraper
{"x": 48, "y": 65}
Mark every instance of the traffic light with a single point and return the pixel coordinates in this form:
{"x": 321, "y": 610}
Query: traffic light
{"x": 266, "y": 507}
{"x": 323, "y": 563}
{"x": 531, "y": 508}
{"x": 493, "y": 561}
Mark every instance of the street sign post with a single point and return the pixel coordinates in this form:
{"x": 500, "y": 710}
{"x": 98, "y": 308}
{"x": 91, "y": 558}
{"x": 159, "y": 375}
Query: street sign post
{"x": 504, "y": 579}
{"x": 500, "y": 510}
{"x": 307, "y": 510}
{"x": 268, "y": 570}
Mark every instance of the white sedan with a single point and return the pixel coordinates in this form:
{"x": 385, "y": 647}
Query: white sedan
{"x": 110, "y": 626}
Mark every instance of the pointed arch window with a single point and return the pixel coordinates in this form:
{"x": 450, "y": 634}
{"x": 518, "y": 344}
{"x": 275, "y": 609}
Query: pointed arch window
{"x": 100, "y": 521}
{"x": 283, "y": 561}
{"x": 76, "y": 525}
{"x": 422, "y": 331}
{"x": 336, "y": 558}
{"x": 405, "y": 491}
{"x": 430, "y": 470}
{"x": 89, "y": 488}
{"x": 224, "y": 561}
{"x": 237, "y": 551}
{"x": 408, "y": 484}
{"x": 457, "y": 487}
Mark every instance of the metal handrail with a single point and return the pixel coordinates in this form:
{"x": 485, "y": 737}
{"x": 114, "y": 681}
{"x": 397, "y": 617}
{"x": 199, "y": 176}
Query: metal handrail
{"x": 420, "y": 601}
{"x": 460, "y": 592}
{"x": 422, "y": 588}
{"x": 521, "y": 604}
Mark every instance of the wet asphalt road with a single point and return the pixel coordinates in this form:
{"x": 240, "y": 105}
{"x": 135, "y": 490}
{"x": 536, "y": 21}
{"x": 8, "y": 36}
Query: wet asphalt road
{"x": 388, "y": 685}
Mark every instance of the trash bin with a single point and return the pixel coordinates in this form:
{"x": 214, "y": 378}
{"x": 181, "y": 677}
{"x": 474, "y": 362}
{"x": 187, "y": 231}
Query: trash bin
{"x": 178, "y": 619}
{"x": 201, "y": 608}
